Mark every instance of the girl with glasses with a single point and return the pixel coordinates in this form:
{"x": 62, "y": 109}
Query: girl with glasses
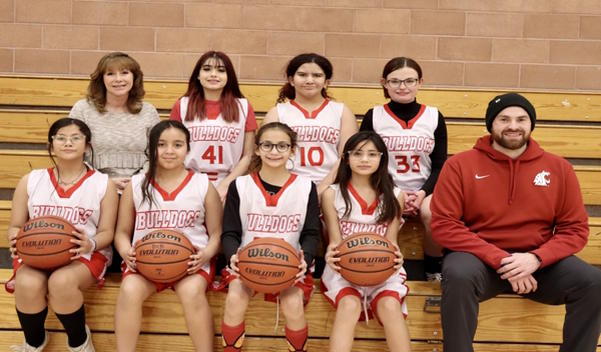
{"x": 168, "y": 187}
{"x": 322, "y": 125}
{"x": 83, "y": 196}
{"x": 364, "y": 199}
{"x": 416, "y": 137}
{"x": 270, "y": 190}
{"x": 220, "y": 120}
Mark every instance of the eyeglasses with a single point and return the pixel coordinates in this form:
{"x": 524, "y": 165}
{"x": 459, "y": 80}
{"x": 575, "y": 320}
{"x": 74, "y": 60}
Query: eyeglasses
{"x": 360, "y": 154}
{"x": 396, "y": 83}
{"x": 280, "y": 147}
{"x": 62, "y": 139}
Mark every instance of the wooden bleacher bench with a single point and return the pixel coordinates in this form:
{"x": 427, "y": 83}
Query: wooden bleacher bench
{"x": 568, "y": 124}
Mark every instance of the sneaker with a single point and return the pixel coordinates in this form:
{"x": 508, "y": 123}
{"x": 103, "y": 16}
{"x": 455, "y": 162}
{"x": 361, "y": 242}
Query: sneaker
{"x": 86, "y": 346}
{"x": 27, "y": 348}
{"x": 434, "y": 277}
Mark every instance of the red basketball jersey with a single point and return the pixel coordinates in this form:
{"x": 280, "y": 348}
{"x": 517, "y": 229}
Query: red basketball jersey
{"x": 79, "y": 204}
{"x": 318, "y": 135}
{"x": 409, "y": 144}
{"x": 280, "y": 215}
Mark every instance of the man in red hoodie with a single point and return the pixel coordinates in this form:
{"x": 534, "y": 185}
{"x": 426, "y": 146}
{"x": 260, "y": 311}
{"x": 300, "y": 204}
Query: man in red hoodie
{"x": 511, "y": 217}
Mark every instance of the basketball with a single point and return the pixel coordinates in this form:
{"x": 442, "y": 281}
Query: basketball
{"x": 366, "y": 259}
{"x": 44, "y": 242}
{"x": 268, "y": 265}
{"x": 162, "y": 255}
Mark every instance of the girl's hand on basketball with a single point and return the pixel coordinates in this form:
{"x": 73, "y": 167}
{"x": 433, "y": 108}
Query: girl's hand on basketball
{"x": 130, "y": 259}
{"x": 83, "y": 243}
{"x": 330, "y": 257}
{"x": 302, "y": 268}
{"x": 399, "y": 258}
{"x": 12, "y": 241}
{"x": 234, "y": 262}
{"x": 196, "y": 260}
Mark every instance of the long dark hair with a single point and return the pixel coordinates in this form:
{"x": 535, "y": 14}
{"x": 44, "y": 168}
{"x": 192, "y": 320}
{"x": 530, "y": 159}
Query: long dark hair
{"x": 64, "y": 122}
{"x": 255, "y": 161}
{"x": 97, "y": 91}
{"x": 380, "y": 180}
{"x": 151, "y": 154}
{"x": 398, "y": 63}
{"x": 287, "y": 91}
{"x": 231, "y": 91}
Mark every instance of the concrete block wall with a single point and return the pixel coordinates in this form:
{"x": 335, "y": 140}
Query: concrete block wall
{"x": 510, "y": 44}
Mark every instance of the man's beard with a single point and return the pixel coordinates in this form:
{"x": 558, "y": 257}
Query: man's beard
{"x": 511, "y": 144}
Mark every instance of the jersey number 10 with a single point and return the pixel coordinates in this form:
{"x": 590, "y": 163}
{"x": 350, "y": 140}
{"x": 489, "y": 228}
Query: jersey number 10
{"x": 313, "y": 155}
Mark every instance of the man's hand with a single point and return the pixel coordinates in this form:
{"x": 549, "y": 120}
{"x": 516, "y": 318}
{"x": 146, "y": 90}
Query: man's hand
{"x": 523, "y": 286}
{"x": 518, "y": 266}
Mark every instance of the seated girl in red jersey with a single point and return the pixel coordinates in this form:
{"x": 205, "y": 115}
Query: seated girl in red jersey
{"x": 322, "y": 126}
{"x": 270, "y": 189}
{"x": 364, "y": 199}
{"x": 85, "y": 197}
{"x": 221, "y": 122}
{"x": 170, "y": 186}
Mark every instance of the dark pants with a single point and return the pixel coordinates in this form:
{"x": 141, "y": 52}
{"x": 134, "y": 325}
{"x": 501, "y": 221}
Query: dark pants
{"x": 467, "y": 281}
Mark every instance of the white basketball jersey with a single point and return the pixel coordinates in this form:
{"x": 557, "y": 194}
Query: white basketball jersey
{"x": 216, "y": 146}
{"x": 281, "y": 215}
{"x": 318, "y": 137}
{"x": 363, "y": 216}
{"x": 409, "y": 144}
{"x": 182, "y": 210}
{"x": 79, "y": 204}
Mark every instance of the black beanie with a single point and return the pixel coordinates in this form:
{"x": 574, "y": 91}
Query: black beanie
{"x": 503, "y": 101}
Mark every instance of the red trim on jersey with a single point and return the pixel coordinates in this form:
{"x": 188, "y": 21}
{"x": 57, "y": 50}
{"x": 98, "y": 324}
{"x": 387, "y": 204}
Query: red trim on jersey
{"x": 271, "y": 201}
{"x": 66, "y": 193}
{"x": 365, "y": 209}
{"x": 171, "y": 196}
{"x": 313, "y": 113}
{"x": 410, "y": 123}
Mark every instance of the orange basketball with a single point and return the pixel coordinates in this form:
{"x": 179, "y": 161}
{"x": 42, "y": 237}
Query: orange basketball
{"x": 268, "y": 265}
{"x": 163, "y": 255}
{"x": 44, "y": 242}
{"x": 366, "y": 259}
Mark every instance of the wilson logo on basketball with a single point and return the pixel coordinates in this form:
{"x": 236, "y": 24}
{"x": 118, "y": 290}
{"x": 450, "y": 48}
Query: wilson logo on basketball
{"x": 41, "y": 224}
{"x": 266, "y": 253}
{"x": 365, "y": 241}
{"x": 157, "y": 235}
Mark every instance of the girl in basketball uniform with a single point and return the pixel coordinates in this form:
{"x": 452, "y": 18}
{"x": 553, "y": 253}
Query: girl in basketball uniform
{"x": 220, "y": 120}
{"x": 168, "y": 187}
{"x": 416, "y": 137}
{"x": 76, "y": 192}
{"x": 322, "y": 125}
{"x": 270, "y": 190}
{"x": 364, "y": 199}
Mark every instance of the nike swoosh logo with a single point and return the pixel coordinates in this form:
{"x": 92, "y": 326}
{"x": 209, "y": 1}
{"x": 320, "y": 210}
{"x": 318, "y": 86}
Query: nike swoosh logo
{"x": 478, "y": 177}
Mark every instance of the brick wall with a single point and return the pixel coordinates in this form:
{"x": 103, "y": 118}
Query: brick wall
{"x": 539, "y": 44}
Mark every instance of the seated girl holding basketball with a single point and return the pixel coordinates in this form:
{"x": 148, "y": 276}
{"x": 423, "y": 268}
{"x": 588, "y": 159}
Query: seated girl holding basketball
{"x": 270, "y": 190}
{"x": 364, "y": 199}
{"x": 82, "y": 196}
{"x": 168, "y": 187}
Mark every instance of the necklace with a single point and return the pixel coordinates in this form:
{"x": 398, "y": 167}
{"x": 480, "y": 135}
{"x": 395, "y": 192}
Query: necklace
{"x": 60, "y": 182}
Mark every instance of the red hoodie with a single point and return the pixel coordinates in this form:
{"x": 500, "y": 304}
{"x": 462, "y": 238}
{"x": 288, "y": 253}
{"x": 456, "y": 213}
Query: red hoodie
{"x": 490, "y": 205}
